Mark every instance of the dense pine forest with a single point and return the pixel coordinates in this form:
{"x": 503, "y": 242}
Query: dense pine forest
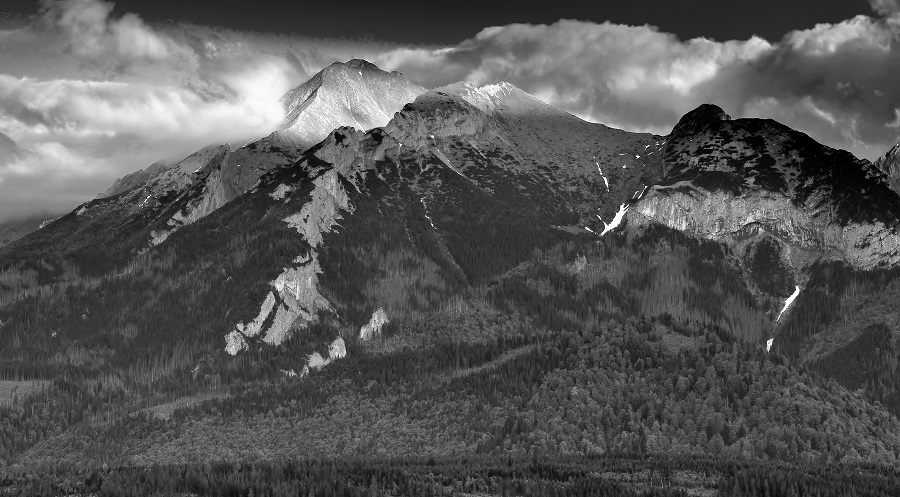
{"x": 631, "y": 408}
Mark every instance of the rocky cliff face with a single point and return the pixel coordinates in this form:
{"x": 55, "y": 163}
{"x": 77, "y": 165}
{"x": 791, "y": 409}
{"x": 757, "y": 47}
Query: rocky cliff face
{"x": 356, "y": 93}
{"x": 174, "y": 195}
{"x": 294, "y": 300}
{"x": 889, "y": 164}
{"x": 729, "y": 179}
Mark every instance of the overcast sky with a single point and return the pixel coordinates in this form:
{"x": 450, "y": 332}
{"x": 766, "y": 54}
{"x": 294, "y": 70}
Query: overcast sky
{"x": 90, "y": 91}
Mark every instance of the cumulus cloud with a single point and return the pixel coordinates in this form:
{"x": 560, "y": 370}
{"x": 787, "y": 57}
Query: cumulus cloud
{"x": 91, "y": 33}
{"x": 833, "y": 81}
{"x": 87, "y": 97}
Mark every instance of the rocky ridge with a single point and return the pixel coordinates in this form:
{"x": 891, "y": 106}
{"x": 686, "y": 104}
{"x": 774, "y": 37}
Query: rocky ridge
{"x": 889, "y": 164}
{"x": 730, "y": 179}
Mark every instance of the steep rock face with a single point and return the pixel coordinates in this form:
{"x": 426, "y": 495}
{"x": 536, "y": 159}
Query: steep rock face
{"x": 356, "y": 94}
{"x": 721, "y": 216}
{"x": 889, "y": 164}
{"x": 295, "y": 300}
{"x": 731, "y": 178}
{"x": 373, "y": 327}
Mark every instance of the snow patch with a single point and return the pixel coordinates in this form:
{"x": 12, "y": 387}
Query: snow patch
{"x": 769, "y": 343}
{"x": 82, "y": 210}
{"x": 788, "y": 302}
{"x": 605, "y": 181}
{"x": 640, "y": 193}
{"x": 616, "y": 221}
{"x": 425, "y": 207}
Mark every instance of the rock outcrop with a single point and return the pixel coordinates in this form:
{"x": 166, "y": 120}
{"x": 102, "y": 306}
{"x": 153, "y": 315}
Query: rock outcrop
{"x": 889, "y": 164}
{"x": 728, "y": 179}
{"x": 372, "y": 329}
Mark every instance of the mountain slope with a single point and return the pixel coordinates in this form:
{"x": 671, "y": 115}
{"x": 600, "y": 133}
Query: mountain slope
{"x": 812, "y": 227}
{"x": 491, "y": 186}
{"x": 144, "y": 208}
{"x": 731, "y": 178}
{"x": 439, "y": 285}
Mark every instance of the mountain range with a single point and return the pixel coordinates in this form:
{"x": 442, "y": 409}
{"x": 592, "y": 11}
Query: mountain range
{"x": 384, "y": 229}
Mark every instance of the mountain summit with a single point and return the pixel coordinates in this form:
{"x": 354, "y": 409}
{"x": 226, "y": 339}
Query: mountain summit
{"x": 356, "y": 93}
{"x": 727, "y": 178}
{"x": 147, "y": 206}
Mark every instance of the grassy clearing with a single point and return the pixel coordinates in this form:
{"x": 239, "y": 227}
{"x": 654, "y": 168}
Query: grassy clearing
{"x": 164, "y": 411}
{"x": 11, "y": 389}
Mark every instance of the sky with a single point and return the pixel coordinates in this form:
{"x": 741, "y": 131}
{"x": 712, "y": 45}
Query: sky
{"x": 92, "y": 90}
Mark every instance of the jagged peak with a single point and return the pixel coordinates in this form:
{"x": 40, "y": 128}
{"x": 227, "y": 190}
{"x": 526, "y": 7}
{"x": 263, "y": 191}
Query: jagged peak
{"x": 298, "y": 95}
{"x": 699, "y": 119}
{"x": 355, "y": 92}
{"x": 889, "y": 165}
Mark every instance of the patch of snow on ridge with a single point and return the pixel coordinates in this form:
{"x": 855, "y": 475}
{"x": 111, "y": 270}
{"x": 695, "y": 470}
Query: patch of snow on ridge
{"x": 638, "y": 194}
{"x": 788, "y": 302}
{"x": 82, "y": 210}
{"x": 425, "y": 208}
{"x": 769, "y": 343}
{"x": 605, "y": 181}
{"x": 616, "y": 221}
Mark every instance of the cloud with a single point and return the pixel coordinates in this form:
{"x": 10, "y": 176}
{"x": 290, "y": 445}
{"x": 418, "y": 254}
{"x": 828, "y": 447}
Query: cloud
{"x": 91, "y": 33}
{"x": 836, "y": 82}
{"x": 86, "y": 96}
